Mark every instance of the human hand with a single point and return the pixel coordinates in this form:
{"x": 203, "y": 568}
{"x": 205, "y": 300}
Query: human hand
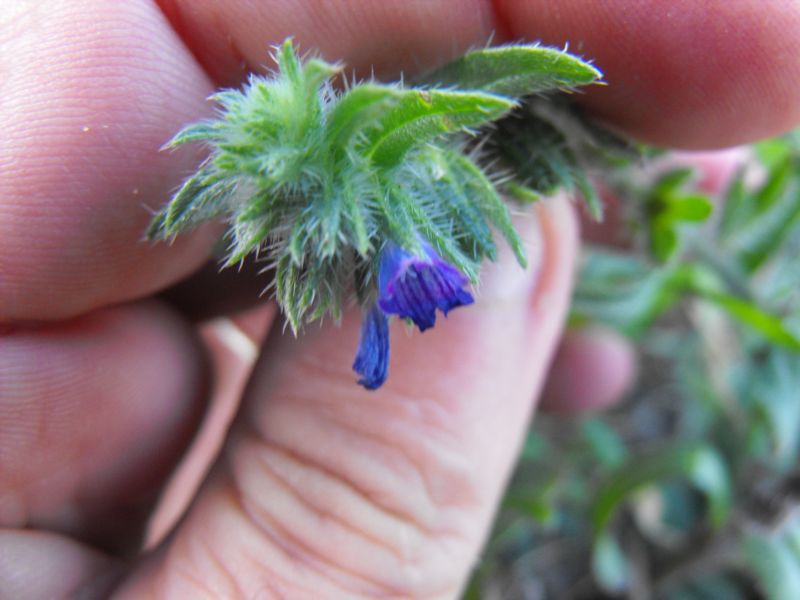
{"x": 322, "y": 490}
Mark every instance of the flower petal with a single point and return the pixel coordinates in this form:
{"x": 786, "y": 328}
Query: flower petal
{"x": 413, "y": 287}
{"x": 372, "y": 358}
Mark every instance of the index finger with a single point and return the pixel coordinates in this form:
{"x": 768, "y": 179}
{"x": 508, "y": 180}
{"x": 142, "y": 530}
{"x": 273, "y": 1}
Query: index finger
{"x": 681, "y": 73}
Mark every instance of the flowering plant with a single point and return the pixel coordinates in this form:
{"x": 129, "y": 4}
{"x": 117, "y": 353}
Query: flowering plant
{"x": 386, "y": 192}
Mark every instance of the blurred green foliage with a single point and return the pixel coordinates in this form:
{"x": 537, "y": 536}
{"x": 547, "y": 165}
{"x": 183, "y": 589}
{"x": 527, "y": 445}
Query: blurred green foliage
{"x": 691, "y": 489}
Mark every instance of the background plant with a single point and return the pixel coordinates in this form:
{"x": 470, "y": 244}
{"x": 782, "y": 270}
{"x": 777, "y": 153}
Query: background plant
{"x": 690, "y": 490}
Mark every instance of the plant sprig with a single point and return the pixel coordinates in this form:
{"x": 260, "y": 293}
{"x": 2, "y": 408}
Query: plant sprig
{"x": 316, "y": 180}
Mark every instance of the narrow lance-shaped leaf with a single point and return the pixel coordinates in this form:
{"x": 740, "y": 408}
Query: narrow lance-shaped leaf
{"x": 515, "y": 71}
{"x": 591, "y": 198}
{"x": 442, "y": 192}
{"x": 423, "y": 115}
{"x": 443, "y": 243}
{"x": 202, "y": 131}
{"x": 203, "y": 196}
{"x": 755, "y": 242}
{"x": 699, "y": 463}
{"x": 770, "y": 326}
{"x": 356, "y": 219}
{"x": 774, "y": 565}
{"x": 490, "y": 203}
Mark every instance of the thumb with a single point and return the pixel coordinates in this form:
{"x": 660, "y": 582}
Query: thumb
{"x": 325, "y": 490}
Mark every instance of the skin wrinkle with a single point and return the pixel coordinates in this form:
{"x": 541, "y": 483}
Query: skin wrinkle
{"x": 323, "y": 514}
{"x": 366, "y": 470}
{"x": 221, "y": 568}
{"x": 395, "y": 409}
{"x": 416, "y": 463}
{"x": 283, "y": 540}
{"x": 300, "y": 551}
{"x": 303, "y": 549}
{"x": 194, "y": 577}
{"x": 316, "y": 465}
{"x": 370, "y": 497}
{"x": 423, "y": 529}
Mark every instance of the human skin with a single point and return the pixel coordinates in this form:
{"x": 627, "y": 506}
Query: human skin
{"x": 321, "y": 490}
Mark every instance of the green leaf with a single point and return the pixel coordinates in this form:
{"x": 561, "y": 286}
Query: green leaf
{"x": 484, "y": 194}
{"x": 288, "y": 63}
{"x": 541, "y": 157}
{"x": 773, "y": 387}
{"x": 672, "y": 181}
{"x": 202, "y": 131}
{"x": 202, "y": 197}
{"x": 625, "y": 292}
{"x": 775, "y": 185}
{"x": 590, "y": 196}
{"x": 751, "y": 315}
{"x": 423, "y": 115}
{"x": 605, "y": 443}
{"x": 395, "y": 208}
{"x": 699, "y": 463}
{"x": 693, "y": 208}
{"x": 449, "y": 188}
{"x": 774, "y": 565}
{"x": 758, "y": 239}
{"x": 358, "y": 108}
{"x": 515, "y": 71}
{"x": 355, "y": 218}
{"x": 610, "y": 566}
{"x": 736, "y": 207}
{"x": 521, "y": 193}
{"x": 663, "y": 239}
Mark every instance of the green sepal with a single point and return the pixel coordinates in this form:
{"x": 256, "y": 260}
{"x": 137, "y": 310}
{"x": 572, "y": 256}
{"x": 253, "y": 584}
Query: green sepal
{"x": 202, "y": 197}
{"x": 202, "y": 131}
{"x": 490, "y": 204}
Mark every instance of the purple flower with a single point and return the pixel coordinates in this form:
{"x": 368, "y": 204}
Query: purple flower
{"x": 413, "y": 287}
{"x": 372, "y": 358}
{"x": 410, "y": 287}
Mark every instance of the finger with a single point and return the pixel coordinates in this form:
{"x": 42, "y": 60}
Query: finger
{"x": 90, "y": 91}
{"x": 593, "y": 369}
{"x": 690, "y": 74}
{"x": 680, "y": 73}
{"x": 37, "y": 565}
{"x": 233, "y": 38}
{"x": 94, "y": 414}
{"x": 232, "y": 344}
{"x": 327, "y": 490}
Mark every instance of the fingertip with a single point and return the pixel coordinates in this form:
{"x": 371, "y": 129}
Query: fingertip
{"x": 91, "y": 91}
{"x": 94, "y": 413}
{"x": 593, "y": 369}
{"x": 680, "y": 73}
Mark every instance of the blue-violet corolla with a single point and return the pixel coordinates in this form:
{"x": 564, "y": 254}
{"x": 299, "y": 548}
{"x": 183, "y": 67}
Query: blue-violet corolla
{"x": 410, "y": 287}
